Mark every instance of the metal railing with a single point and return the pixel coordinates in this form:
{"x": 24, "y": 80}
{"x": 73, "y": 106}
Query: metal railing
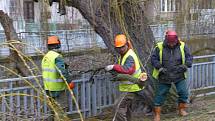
{"x": 18, "y": 101}
{"x": 202, "y": 73}
{"x": 82, "y": 39}
{"x": 91, "y": 97}
{"x": 71, "y": 40}
{"x": 192, "y": 29}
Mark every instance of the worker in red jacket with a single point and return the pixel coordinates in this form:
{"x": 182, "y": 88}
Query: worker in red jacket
{"x": 128, "y": 63}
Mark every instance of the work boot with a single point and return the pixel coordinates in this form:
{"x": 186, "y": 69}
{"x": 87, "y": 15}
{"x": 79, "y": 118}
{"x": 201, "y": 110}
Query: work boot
{"x": 181, "y": 108}
{"x": 157, "y": 111}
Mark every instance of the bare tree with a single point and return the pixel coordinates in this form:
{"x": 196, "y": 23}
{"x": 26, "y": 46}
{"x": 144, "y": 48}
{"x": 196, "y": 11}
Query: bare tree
{"x": 111, "y": 17}
{"x": 11, "y": 35}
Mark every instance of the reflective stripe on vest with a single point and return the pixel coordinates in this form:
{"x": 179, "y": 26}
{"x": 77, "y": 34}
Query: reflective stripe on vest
{"x": 51, "y": 76}
{"x": 53, "y": 80}
{"x": 127, "y": 86}
{"x": 49, "y": 70}
{"x": 160, "y": 46}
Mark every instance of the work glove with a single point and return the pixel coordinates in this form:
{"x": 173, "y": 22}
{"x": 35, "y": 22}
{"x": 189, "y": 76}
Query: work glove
{"x": 109, "y": 67}
{"x": 163, "y": 70}
{"x": 182, "y": 68}
{"x": 71, "y": 85}
{"x": 141, "y": 80}
{"x": 143, "y": 76}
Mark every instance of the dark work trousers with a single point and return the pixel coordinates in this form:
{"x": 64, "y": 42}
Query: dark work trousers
{"x": 124, "y": 104}
{"x": 61, "y": 98}
{"x": 163, "y": 89}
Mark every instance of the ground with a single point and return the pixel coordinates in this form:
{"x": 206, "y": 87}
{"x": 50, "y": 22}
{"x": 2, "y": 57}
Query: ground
{"x": 201, "y": 109}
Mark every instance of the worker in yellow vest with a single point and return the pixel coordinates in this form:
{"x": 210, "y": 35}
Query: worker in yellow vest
{"x": 128, "y": 63}
{"x": 53, "y": 71}
{"x": 170, "y": 60}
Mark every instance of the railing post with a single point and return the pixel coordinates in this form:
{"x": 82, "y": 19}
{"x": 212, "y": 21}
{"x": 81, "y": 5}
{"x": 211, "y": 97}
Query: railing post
{"x": 11, "y": 99}
{"x": 3, "y": 108}
{"x": 70, "y": 101}
{"x": 213, "y": 70}
{"x": 189, "y": 79}
{"x": 83, "y": 96}
{"x": 25, "y": 103}
{"x": 99, "y": 97}
{"x": 88, "y": 95}
{"x": 38, "y": 106}
{"x": 32, "y": 101}
{"x": 94, "y": 98}
{"x": 18, "y": 103}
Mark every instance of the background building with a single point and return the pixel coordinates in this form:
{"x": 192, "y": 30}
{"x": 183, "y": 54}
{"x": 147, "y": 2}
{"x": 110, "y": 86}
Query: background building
{"x": 27, "y": 15}
{"x": 33, "y": 21}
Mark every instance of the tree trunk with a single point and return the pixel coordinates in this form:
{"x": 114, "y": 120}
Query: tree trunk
{"x": 44, "y": 24}
{"x": 111, "y": 17}
{"x": 12, "y": 40}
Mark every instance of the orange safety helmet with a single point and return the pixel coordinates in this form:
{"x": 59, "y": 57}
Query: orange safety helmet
{"x": 120, "y": 40}
{"x": 53, "y": 40}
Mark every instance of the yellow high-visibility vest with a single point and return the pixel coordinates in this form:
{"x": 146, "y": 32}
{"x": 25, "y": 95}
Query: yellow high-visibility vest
{"x": 51, "y": 76}
{"x": 127, "y": 86}
{"x": 160, "y": 46}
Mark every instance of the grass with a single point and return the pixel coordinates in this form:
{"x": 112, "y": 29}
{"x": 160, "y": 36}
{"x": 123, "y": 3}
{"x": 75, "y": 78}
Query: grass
{"x": 202, "y": 109}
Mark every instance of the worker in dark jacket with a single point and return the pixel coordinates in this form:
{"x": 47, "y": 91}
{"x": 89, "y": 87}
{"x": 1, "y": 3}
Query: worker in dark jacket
{"x": 128, "y": 64}
{"x": 170, "y": 60}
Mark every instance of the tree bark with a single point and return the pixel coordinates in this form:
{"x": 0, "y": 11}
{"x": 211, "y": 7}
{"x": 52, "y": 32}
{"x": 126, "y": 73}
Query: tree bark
{"x": 11, "y": 37}
{"x": 111, "y": 17}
